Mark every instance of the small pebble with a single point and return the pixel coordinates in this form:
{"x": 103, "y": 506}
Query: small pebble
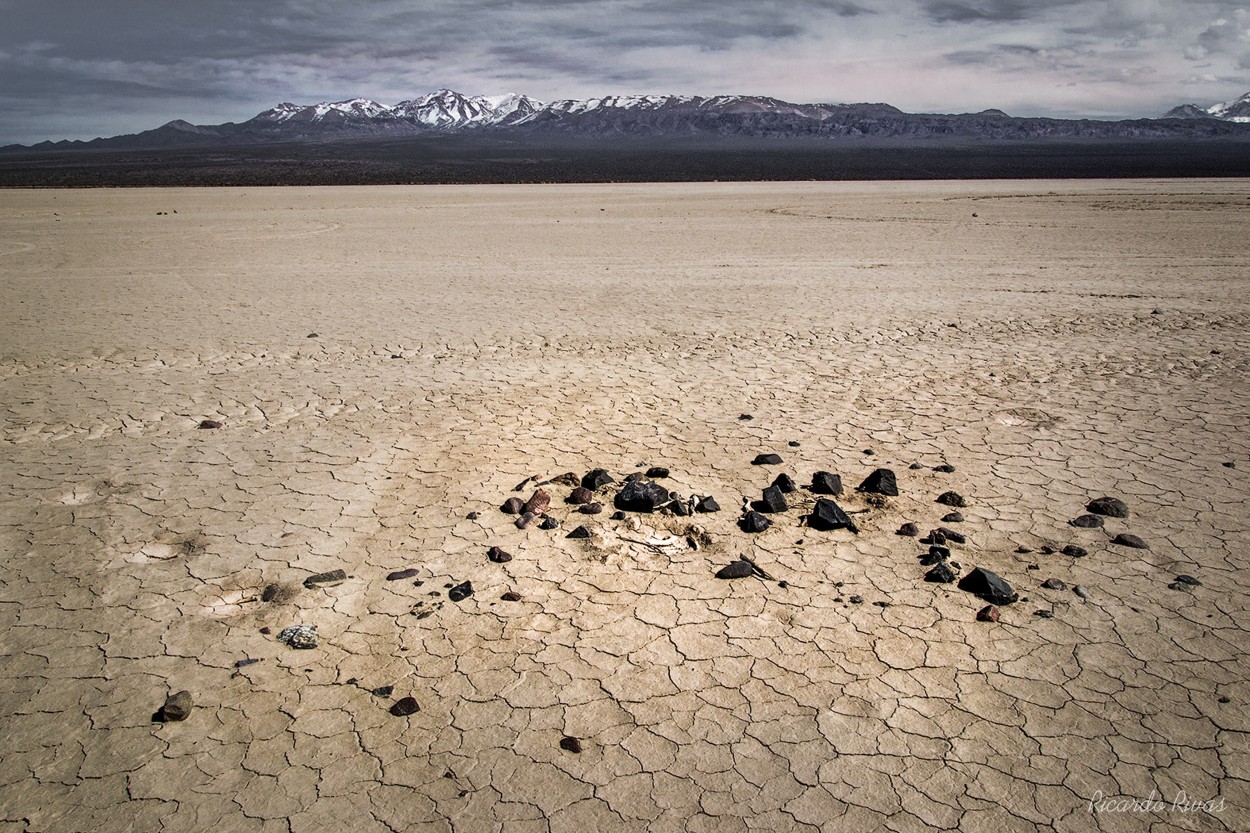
{"x": 579, "y": 532}
{"x": 909, "y": 530}
{"x": 498, "y": 556}
{"x": 1045, "y": 614}
{"x": 510, "y": 597}
{"x": 793, "y": 443}
{"x": 1081, "y": 591}
{"x": 1054, "y": 584}
{"x": 1075, "y": 551}
{"x": 1127, "y": 539}
{"x": 570, "y": 744}
{"x": 460, "y": 592}
{"x": 953, "y": 518}
{"x": 1185, "y": 578}
{"x": 945, "y": 468}
{"x": 177, "y": 707}
{"x": 208, "y": 424}
{"x": 1229, "y": 465}
{"x": 382, "y": 690}
{"x": 952, "y": 499}
{"x": 405, "y": 706}
{"x": 473, "y": 516}
{"x": 989, "y": 613}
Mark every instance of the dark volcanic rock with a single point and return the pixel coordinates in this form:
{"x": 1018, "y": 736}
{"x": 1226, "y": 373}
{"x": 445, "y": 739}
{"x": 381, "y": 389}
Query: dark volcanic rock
{"x": 404, "y": 707}
{"x": 945, "y": 468}
{"x": 754, "y": 522}
{"x": 1109, "y": 506}
{"x": 909, "y": 530}
{"x": 580, "y": 495}
{"x": 567, "y": 479}
{"x": 953, "y": 518}
{"x": 989, "y": 586}
{"x": 512, "y": 506}
{"x": 570, "y": 744}
{"x": 382, "y": 690}
{"x": 510, "y": 596}
{"x": 1074, "y": 551}
{"x": 935, "y": 554}
{"x": 989, "y": 613}
{"x": 785, "y": 483}
{"x": 597, "y": 478}
{"x": 592, "y": 508}
{"x": 549, "y": 523}
{"x": 1054, "y": 584}
{"x": 498, "y": 556}
{"x": 657, "y": 472}
{"x": 707, "y": 504}
{"x": 461, "y": 591}
{"x": 1087, "y": 522}
{"x": 827, "y": 515}
{"x": 525, "y": 520}
{"x": 579, "y": 532}
{"x": 473, "y": 516}
{"x": 826, "y": 483}
{"x": 208, "y": 424}
{"x": 735, "y": 569}
{"x": 916, "y": 466}
{"x": 951, "y": 535}
{"x": 642, "y": 496}
{"x": 941, "y": 574}
{"x": 325, "y": 579}
{"x": 177, "y": 707}
{"x": 773, "y": 501}
{"x": 538, "y": 503}
{"x": 271, "y": 592}
{"x": 618, "y": 516}
{"x": 952, "y": 499}
{"x": 766, "y": 460}
{"x": 1128, "y": 539}
{"x": 1184, "y": 578}
{"x": 399, "y": 575}
{"x": 880, "y": 482}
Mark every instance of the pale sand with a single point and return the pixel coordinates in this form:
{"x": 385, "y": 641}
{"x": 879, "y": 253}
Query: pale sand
{"x": 549, "y": 329}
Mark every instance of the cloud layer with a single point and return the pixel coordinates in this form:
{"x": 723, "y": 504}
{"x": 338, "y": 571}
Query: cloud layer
{"x": 78, "y": 70}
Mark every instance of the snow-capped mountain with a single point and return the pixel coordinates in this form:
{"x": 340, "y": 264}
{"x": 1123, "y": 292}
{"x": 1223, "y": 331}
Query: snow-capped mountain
{"x": 441, "y": 109}
{"x": 330, "y": 112}
{"x": 1237, "y": 110}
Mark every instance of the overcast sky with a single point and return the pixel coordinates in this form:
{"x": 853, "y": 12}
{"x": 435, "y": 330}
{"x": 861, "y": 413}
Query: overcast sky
{"x": 85, "y": 68}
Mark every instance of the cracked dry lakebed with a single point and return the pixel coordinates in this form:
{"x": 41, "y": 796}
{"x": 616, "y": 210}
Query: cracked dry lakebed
{"x": 837, "y": 507}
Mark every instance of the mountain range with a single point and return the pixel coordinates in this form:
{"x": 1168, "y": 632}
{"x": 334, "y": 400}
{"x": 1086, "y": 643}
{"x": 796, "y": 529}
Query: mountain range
{"x": 446, "y": 112}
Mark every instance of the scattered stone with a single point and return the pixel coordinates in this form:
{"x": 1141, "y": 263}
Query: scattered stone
{"x": 1047, "y": 549}
{"x": 951, "y": 535}
{"x": 404, "y": 707}
{"x": 1074, "y": 551}
{"x": 935, "y": 554}
{"x": 618, "y": 516}
{"x": 793, "y": 443}
{"x": 570, "y": 744}
{"x": 952, "y": 499}
{"x": 1054, "y": 584}
{"x": 642, "y": 496}
{"x": 498, "y": 556}
{"x": 657, "y": 472}
{"x": 945, "y": 468}
{"x": 244, "y": 663}
{"x": 909, "y": 530}
{"x": 580, "y": 496}
{"x": 773, "y": 501}
{"x": 754, "y": 522}
{"x": 989, "y": 613}
{"x": 1184, "y": 578}
{"x": 868, "y": 452}
{"x": 461, "y": 591}
{"x": 941, "y": 574}
{"x": 538, "y": 503}
{"x": 520, "y": 487}
{"x": 596, "y": 479}
{"x": 511, "y": 597}
{"x": 399, "y": 575}
{"x": 953, "y": 518}
{"x": 935, "y": 536}
{"x": 383, "y": 691}
{"x": 826, "y": 483}
{"x": 881, "y": 604}
{"x": 512, "y": 506}
{"x": 786, "y": 483}
{"x": 525, "y": 520}
{"x": 736, "y": 569}
{"x": 856, "y": 600}
{"x": 1087, "y": 521}
{"x": 880, "y": 482}
{"x": 1128, "y": 539}
{"x": 633, "y": 476}
{"x": 303, "y": 637}
{"x": 579, "y": 532}
{"x": 271, "y": 592}
{"x": 1081, "y": 591}
{"x": 1109, "y": 506}
{"x": 828, "y": 516}
{"x": 1023, "y": 550}
{"x": 916, "y": 466}
{"x": 177, "y": 707}
{"x": 592, "y": 508}
{"x": 473, "y": 516}
{"x": 1224, "y": 699}
{"x": 989, "y": 586}
{"x": 549, "y": 523}
{"x": 312, "y": 335}
{"x": 1229, "y": 465}
{"x": 745, "y": 417}
{"x": 766, "y": 460}
{"x": 707, "y": 504}
{"x": 208, "y": 424}
{"x": 266, "y": 630}
{"x": 329, "y": 579}
{"x": 681, "y": 509}
{"x": 1044, "y": 614}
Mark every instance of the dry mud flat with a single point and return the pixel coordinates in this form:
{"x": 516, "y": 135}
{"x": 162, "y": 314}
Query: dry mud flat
{"x": 384, "y": 362}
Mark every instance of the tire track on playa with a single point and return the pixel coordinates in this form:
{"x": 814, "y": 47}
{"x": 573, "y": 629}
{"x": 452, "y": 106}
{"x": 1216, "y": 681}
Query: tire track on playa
{"x": 321, "y": 228}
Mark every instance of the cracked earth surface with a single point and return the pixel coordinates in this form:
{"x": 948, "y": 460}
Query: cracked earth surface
{"x": 1053, "y": 341}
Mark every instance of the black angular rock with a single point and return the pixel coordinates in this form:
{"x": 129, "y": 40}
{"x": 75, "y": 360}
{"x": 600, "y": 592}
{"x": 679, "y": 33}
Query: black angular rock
{"x": 1128, "y": 539}
{"x": 989, "y": 613}
{"x": 642, "y": 496}
{"x": 399, "y": 575}
{"x": 1054, "y": 584}
{"x": 271, "y": 592}
{"x": 1087, "y": 521}
{"x": 785, "y": 483}
{"x": 952, "y": 536}
{"x": 498, "y": 556}
{"x": 512, "y": 506}
{"x": 1110, "y": 506}
{"x": 176, "y": 707}
{"x": 680, "y": 508}
{"x": 208, "y": 424}
{"x": 941, "y": 574}
{"x": 826, "y": 483}
{"x": 773, "y": 500}
{"x": 707, "y": 504}
{"x": 570, "y": 744}
{"x": 549, "y": 523}
{"x": 880, "y": 482}
{"x": 916, "y": 466}
{"x": 989, "y": 586}
{"x": 953, "y": 518}
{"x": 827, "y": 515}
{"x": 404, "y": 707}
{"x": 1074, "y": 551}
{"x": 952, "y": 499}
{"x": 909, "y": 529}
{"x": 945, "y": 468}
{"x": 510, "y": 596}
{"x": 461, "y": 591}
{"x": 382, "y": 690}
{"x": 754, "y": 522}
{"x": 766, "y": 460}
{"x": 617, "y": 516}
{"x": 597, "y": 478}
{"x": 579, "y": 532}
{"x": 735, "y": 569}
{"x": 325, "y": 579}
{"x": 936, "y": 553}
{"x": 1184, "y": 578}
{"x": 657, "y": 472}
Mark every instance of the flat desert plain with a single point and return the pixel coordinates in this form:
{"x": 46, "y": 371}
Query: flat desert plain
{"x": 385, "y": 365}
